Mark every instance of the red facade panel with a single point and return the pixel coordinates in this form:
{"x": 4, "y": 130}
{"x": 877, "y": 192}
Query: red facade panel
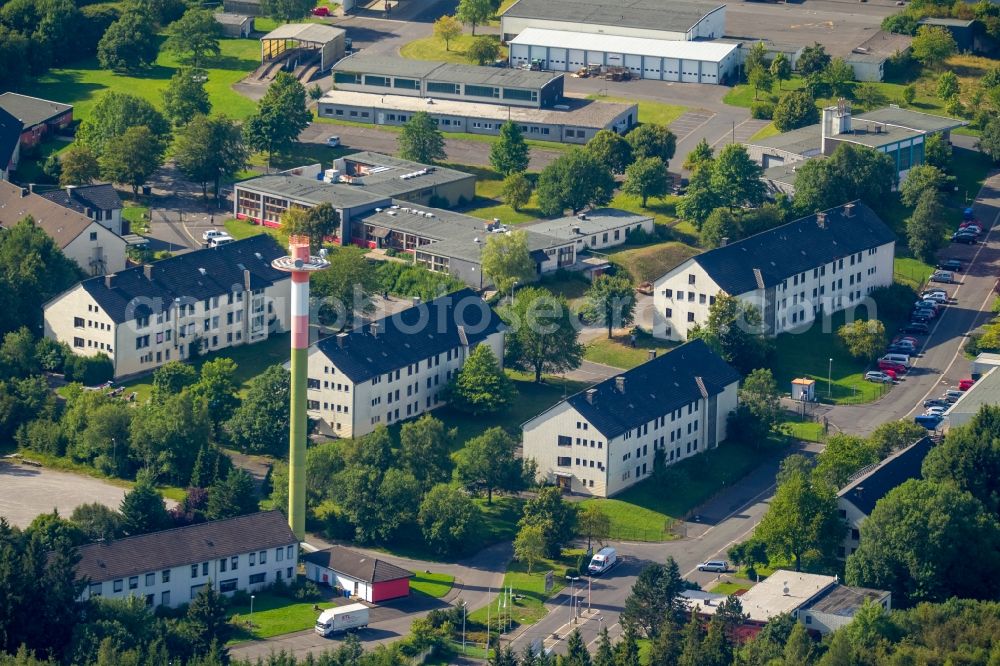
{"x": 390, "y": 589}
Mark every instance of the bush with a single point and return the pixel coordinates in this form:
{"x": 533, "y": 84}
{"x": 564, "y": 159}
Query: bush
{"x": 42, "y": 435}
{"x": 762, "y": 110}
{"x": 306, "y": 590}
{"x": 240, "y": 598}
{"x": 572, "y": 572}
{"x": 88, "y": 370}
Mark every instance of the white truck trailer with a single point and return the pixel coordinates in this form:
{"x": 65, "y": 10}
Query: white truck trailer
{"x": 334, "y": 620}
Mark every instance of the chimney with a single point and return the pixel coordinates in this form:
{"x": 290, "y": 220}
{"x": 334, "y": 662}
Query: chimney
{"x": 724, "y": 241}
{"x": 246, "y": 280}
{"x": 69, "y": 190}
{"x": 24, "y": 192}
{"x": 109, "y": 280}
{"x": 576, "y": 230}
{"x": 416, "y": 300}
{"x": 373, "y": 328}
{"x": 620, "y": 383}
{"x": 589, "y": 395}
{"x": 821, "y": 220}
{"x": 147, "y": 270}
{"x": 341, "y": 340}
{"x": 860, "y": 490}
{"x": 849, "y": 210}
{"x": 582, "y": 216}
{"x": 652, "y": 354}
{"x": 31, "y": 187}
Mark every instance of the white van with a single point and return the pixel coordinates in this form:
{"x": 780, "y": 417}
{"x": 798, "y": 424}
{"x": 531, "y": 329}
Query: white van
{"x": 602, "y": 561}
{"x": 897, "y": 358}
{"x": 216, "y": 241}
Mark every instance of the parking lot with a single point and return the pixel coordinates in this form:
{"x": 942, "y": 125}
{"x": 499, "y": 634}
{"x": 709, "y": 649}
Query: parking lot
{"x": 26, "y": 492}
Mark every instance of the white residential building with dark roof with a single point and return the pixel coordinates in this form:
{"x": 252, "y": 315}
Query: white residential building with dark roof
{"x": 396, "y": 367}
{"x": 822, "y": 263}
{"x": 145, "y": 316}
{"x": 169, "y": 568}
{"x": 100, "y": 203}
{"x": 605, "y": 439}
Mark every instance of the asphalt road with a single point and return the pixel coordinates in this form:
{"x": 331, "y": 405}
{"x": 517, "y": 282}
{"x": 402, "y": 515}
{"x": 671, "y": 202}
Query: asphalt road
{"x": 941, "y": 364}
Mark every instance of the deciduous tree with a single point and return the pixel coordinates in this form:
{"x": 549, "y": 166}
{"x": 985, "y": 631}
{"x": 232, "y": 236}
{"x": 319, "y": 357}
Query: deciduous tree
{"x": 611, "y": 302}
{"x": 795, "y": 109}
{"x": 185, "y": 96}
{"x": 167, "y": 435}
{"x": 260, "y": 423}
{"x": 969, "y": 457}
{"x": 194, "y": 37}
{"x": 843, "y": 456}
{"x": 852, "y": 172}
{"x": 281, "y": 115}
{"x": 647, "y": 177}
{"x": 78, "y": 166}
{"x": 760, "y": 78}
{"x": 425, "y": 448}
{"x": 813, "y": 59}
{"x": 446, "y": 29}
{"x": 574, "y": 180}
{"x": 142, "y": 508}
{"x": 947, "y": 86}
{"x": 286, "y": 10}
{"x": 611, "y": 149}
{"x": 933, "y": 45}
{"x": 557, "y": 518}
{"x": 722, "y": 225}
{"x": 130, "y": 159}
{"x": 345, "y": 288}
{"x": 925, "y": 228}
{"x": 652, "y": 140}
{"x": 129, "y": 43}
{"x": 317, "y": 223}
{"x": 780, "y": 68}
{"x": 509, "y": 154}
{"x": 529, "y": 545}
{"x": 736, "y": 178}
{"x": 701, "y": 199}
{"x": 488, "y": 462}
{"x": 481, "y": 387}
{"x": 839, "y": 76}
{"x": 114, "y": 113}
{"x": 506, "y": 261}
{"x": 759, "y": 394}
{"x": 735, "y": 331}
{"x": 702, "y": 154}
{"x": 474, "y": 12}
{"x": 542, "y": 335}
{"x": 421, "y": 140}
{"x": 593, "y": 523}
{"x": 516, "y": 191}
{"x": 483, "y": 50}
{"x": 921, "y": 178}
{"x": 449, "y": 519}
{"x": 864, "y": 338}
{"x": 937, "y": 152}
{"x": 97, "y": 521}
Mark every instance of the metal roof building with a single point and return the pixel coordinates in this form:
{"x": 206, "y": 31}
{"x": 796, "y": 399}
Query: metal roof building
{"x": 292, "y": 39}
{"x": 645, "y": 57}
{"x": 681, "y": 20}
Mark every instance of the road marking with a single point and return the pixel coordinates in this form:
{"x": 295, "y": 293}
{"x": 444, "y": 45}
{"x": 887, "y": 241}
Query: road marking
{"x": 958, "y": 350}
{"x": 731, "y": 133}
{"x": 702, "y": 124}
{"x": 599, "y": 635}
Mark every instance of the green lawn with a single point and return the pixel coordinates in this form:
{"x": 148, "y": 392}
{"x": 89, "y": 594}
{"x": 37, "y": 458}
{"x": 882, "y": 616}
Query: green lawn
{"x": 910, "y": 271}
{"x": 250, "y": 360}
{"x": 272, "y": 616}
{"x": 432, "y": 48}
{"x": 137, "y": 216}
{"x": 764, "y": 132}
{"x": 658, "y": 113}
{"x": 646, "y": 511}
{"x": 729, "y": 588}
{"x": 618, "y": 353}
{"x": 808, "y": 354}
{"x": 432, "y": 584}
{"x": 81, "y": 85}
{"x": 570, "y": 285}
{"x": 529, "y": 589}
{"x": 489, "y": 204}
{"x": 810, "y": 431}
{"x": 240, "y": 229}
{"x": 651, "y": 261}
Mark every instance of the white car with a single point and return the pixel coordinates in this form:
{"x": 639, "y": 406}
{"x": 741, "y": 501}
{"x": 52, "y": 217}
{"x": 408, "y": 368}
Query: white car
{"x": 220, "y": 240}
{"x": 212, "y": 233}
{"x": 936, "y": 296}
{"x": 878, "y": 376}
{"x": 935, "y": 411}
{"x": 333, "y": 141}
{"x": 717, "y": 566}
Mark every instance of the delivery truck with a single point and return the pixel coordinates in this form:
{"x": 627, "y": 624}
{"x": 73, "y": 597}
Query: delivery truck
{"x": 602, "y": 561}
{"x": 333, "y": 620}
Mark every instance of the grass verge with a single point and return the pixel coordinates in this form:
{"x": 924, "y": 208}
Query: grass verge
{"x": 809, "y": 431}
{"x": 659, "y": 113}
{"x": 272, "y": 616}
{"x": 529, "y": 590}
{"x": 432, "y": 584}
{"x": 618, "y": 352}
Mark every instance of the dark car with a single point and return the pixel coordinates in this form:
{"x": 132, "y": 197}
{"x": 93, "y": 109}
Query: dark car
{"x": 901, "y": 349}
{"x": 936, "y": 402}
{"x": 950, "y": 265}
{"x": 968, "y": 239}
{"x": 917, "y": 327}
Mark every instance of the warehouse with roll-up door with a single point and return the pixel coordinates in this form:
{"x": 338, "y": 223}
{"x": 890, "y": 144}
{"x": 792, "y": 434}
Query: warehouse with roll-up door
{"x": 663, "y": 60}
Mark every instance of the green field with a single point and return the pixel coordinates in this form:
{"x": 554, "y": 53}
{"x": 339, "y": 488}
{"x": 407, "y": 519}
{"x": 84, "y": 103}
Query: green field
{"x": 432, "y": 48}
{"x": 658, "y": 113}
{"x": 251, "y": 360}
{"x": 432, "y": 584}
{"x": 272, "y": 616}
{"x": 617, "y": 352}
{"x": 82, "y": 85}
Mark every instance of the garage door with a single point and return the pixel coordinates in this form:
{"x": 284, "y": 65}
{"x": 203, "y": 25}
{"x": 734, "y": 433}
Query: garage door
{"x": 557, "y": 59}
{"x": 519, "y": 53}
{"x": 689, "y": 71}
{"x": 576, "y": 58}
{"x": 709, "y": 72}
{"x": 671, "y": 69}
{"x": 634, "y": 63}
{"x": 613, "y": 59}
{"x": 538, "y": 53}
{"x": 651, "y": 68}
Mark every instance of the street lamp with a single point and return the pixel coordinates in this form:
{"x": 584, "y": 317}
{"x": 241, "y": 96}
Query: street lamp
{"x": 512, "y": 285}
{"x": 251, "y": 612}
{"x": 829, "y": 379}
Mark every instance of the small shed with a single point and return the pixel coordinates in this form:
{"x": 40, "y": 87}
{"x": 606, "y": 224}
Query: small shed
{"x": 804, "y": 389}
{"x": 235, "y": 25}
{"x": 367, "y": 578}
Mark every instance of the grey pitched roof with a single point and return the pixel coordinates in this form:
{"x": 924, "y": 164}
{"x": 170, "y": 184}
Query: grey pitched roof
{"x": 62, "y": 224}
{"x": 357, "y": 565}
{"x": 102, "y": 196}
{"x": 10, "y": 135}
{"x": 31, "y": 110}
{"x": 134, "y": 292}
{"x": 873, "y": 483}
{"x": 675, "y": 16}
{"x": 771, "y": 256}
{"x": 183, "y": 546}
{"x": 412, "y": 335}
{"x": 688, "y": 373}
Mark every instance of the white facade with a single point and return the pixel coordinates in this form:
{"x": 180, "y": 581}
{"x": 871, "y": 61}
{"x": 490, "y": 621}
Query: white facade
{"x": 354, "y": 409}
{"x": 143, "y": 344}
{"x": 172, "y": 587}
{"x": 97, "y": 250}
{"x": 683, "y": 296}
{"x": 571, "y": 452}
{"x": 665, "y": 60}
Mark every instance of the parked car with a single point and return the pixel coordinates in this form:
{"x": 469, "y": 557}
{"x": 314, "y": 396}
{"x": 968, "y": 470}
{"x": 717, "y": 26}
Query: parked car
{"x": 935, "y": 411}
{"x": 904, "y": 339}
{"x": 950, "y": 265}
{"x": 213, "y": 233}
{"x": 952, "y": 395}
{"x": 922, "y": 317}
{"x": 928, "y": 421}
{"x": 963, "y": 237}
{"x": 917, "y": 327}
{"x": 968, "y": 213}
{"x": 927, "y": 304}
{"x": 216, "y": 241}
{"x": 902, "y": 359}
{"x": 965, "y": 384}
{"x": 892, "y": 366}
{"x": 717, "y": 566}
{"x": 938, "y": 297}
{"x": 878, "y": 376}
{"x": 930, "y": 313}
{"x": 936, "y": 402}
{"x": 333, "y": 141}
{"x": 943, "y": 276}
{"x": 901, "y": 349}
{"x": 321, "y": 11}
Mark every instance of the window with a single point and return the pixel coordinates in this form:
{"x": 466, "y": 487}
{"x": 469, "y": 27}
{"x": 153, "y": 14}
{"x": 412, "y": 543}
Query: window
{"x": 150, "y": 579}
{"x": 290, "y": 552}
{"x": 77, "y": 322}
{"x": 345, "y": 77}
{"x": 253, "y": 559}
{"x": 279, "y": 554}
{"x": 524, "y": 95}
{"x": 438, "y": 87}
{"x": 690, "y": 316}
{"x": 93, "y": 235}
{"x": 119, "y": 585}
{"x": 257, "y": 578}
{"x": 165, "y": 576}
{"x": 95, "y": 589}
{"x": 78, "y": 342}
{"x": 133, "y": 582}
{"x": 222, "y": 565}
{"x": 263, "y": 556}
{"x": 204, "y": 568}
{"x": 691, "y": 278}
{"x": 194, "y": 571}
{"x": 234, "y": 562}
{"x": 563, "y": 461}
{"x": 481, "y": 91}
{"x": 408, "y": 84}
{"x": 165, "y": 598}
{"x": 371, "y": 80}
{"x": 228, "y": 585}
{"x": 564, "y": 441}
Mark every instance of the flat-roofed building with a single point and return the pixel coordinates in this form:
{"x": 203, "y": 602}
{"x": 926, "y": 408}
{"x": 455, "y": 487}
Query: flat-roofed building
{"x": 683, "y": 20}
{"x": 573, "y": 120}
{"x": 443, "y": 80}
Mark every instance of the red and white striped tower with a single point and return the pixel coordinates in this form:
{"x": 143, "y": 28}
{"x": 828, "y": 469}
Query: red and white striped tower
{"x": 300, "y": 264}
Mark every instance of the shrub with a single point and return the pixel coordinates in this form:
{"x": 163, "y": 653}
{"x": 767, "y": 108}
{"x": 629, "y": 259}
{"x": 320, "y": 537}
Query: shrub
{"x": 306, "y": 590}
{"x": 762, "y": 110}
{"x": 240, "y": 598}
{"x": 42, "y": 435}
{"x": 88, "y": 370}
{"x": 572, "y": 572}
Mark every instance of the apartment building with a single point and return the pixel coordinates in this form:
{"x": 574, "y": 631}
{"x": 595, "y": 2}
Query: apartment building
{"x": 167, "y": 310}
{"x": 396, "y": 367}
{"x": 867, "y": 486}
{"x": 100, "y": 203}
{"x": 605, "y": 439}
{"x": 822, "y": 263}
{"x": 170, "y": 568}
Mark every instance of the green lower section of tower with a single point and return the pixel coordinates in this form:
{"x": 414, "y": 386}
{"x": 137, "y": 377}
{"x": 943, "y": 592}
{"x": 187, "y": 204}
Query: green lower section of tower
{"x": 297, "y": 445}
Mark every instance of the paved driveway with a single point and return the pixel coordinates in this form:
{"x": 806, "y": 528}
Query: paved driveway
{"x": 26, "y": 492}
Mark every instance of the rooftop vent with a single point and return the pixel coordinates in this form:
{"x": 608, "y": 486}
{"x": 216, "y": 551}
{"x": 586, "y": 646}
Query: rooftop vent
{"x": 821, "y": 220}
{"x": 374, "y": 328}
{"x": 147, "y": 270}
{"x": 109, "y": 281}
{"x": 849, "y": 210}
{"x": 259, "y": 255}
{"x": 620, "y": 383}
{"x": 202, "y": 271}
{"x": 652, "y": 354}
{"x": 590, "y": 394}
{"x": 341, "y": 339}
{"x": 581, "y": 216}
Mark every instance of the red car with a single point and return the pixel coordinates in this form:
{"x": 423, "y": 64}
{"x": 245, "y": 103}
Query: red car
{"x": 965, "y": 384}
{"x": 321, "y": 11}
{"x": 887, "y": 366}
